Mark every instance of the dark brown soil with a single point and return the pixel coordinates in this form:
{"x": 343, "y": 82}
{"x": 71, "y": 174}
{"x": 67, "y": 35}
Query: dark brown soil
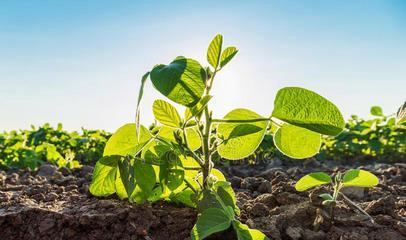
{"x": 55, "y": 204}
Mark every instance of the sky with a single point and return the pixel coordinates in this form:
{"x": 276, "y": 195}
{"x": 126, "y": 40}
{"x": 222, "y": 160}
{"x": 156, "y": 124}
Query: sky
{"x": 81, "y": 62}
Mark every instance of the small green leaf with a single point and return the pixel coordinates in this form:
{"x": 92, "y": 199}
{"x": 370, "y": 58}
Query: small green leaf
{"x": 182, "y": 81}
{"x": 359, "y": 178}
{"x": 326, "y": 196}
{"x": 193, "y": 138}
{"x": 214, "y": 51}
{"x": 227, "y": 55}
{"x": 297, "y": 142}
{"x": 212, "y": 220}
{"x": 175, "y": 178}
{"x": 166, "y": 114}
{"x": 376, "y": 111}
{"x": 307, "y": 109}
{"x": 312, "y": 180}
{"x": 246, "y": 233}
{"x": 240, "y": 139}
{"x": 198, "y": 108}
{"x": 126, "y": 142}
{"x": 103, "y": 178}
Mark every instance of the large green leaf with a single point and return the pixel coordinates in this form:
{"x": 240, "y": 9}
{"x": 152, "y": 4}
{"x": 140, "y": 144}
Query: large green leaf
{"x": 241, "y": 139}
{"x": 214, "y": 51}
{"x": 126, "y": 142}
{"x": 103, "y": 182}
{"x": 212, "y": 220}
{"x": 359, "y": 178}
{"x": 297, "y": 142}
{"x": 246, "y": 233}
{"x": 182, "y": 81}
{"x": 307, "y": 109}
{"x": 227, "y": 55}
{"x": 166, "y": 114}
{"x": 312, "y": 180}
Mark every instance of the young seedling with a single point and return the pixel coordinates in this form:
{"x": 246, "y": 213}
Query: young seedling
{"x": 172, "y": 160}
{"x": 353, "y": 177}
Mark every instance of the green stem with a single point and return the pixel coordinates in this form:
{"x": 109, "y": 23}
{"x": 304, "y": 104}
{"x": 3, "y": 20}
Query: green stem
{"x": 240, "y": 120}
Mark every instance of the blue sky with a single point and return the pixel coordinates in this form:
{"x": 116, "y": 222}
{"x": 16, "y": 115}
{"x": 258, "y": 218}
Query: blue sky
{"x": 80, "y": 62}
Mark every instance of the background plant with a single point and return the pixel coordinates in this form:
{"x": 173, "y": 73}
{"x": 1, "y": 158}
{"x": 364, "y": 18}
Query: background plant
{"x": 31, "y": 148}
{"x": 173, "y": 160}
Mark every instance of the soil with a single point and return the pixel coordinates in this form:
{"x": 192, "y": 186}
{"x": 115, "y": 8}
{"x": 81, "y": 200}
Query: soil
{"x": 56, "y": 204}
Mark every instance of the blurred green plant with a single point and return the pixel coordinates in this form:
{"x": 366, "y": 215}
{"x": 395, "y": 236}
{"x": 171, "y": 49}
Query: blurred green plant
{"x": 381, "y": 138}
{"x": 31, "y": 148}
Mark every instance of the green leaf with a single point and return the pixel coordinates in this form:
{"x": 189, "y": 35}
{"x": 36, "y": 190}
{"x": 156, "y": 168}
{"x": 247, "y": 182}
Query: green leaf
{"x": 182, "y": 81}
{"x": 312, "y": 180}
{"x": 175, "y": 178}
{"x": 240, "y": 139}
{"x": 227, "y": 55}
{"x": 193, "y": 138}
{"x": 118, "y": 183}
{"x": 212, "y": 220}
{"x": 126, "y": 142}
{"x": 326, "y": 196}
{"x": 140, "y": 94}
{"x": 166, "y": 114}
{"x": 359, "y": 178}
{"x": 198, "y": 108}
{"x": 246, "y": 233}
{"x": 127, "y": 174}
{"x": 307, "y": 109}
{"x": 103, "y": 182}
{"x": 227, "y": 195}
{"x": 297, "y": 142}
{"x": 214, "y": 51}
{"x": 376, "y": 111}
{"x": 145, "y": 177}
{"x": 401, "y": 114}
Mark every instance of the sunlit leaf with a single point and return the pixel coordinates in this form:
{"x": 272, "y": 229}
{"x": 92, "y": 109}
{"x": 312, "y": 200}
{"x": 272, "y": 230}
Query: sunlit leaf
{"x": 166, "y": 114}
{"x": 246, "y": 233}
{"x": 214, "y": 51}
{"x": 241, "y": 139}
{"x": 182, "y": 81}
{"x": 307, "y": 109}
{"x": 359, "y": 178}
{"x": 227, "y": 55}
{"x": 103, "y": 182}
{"x": 312, "y": 180}
{"x": 297, "y": 142}
{"x": 126, "y": 142}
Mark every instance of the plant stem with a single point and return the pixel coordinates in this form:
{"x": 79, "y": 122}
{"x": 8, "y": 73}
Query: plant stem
{"x": 358, "y": 207}
{"x": 206, "y": 169}
{"x": 240, "y": 120}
